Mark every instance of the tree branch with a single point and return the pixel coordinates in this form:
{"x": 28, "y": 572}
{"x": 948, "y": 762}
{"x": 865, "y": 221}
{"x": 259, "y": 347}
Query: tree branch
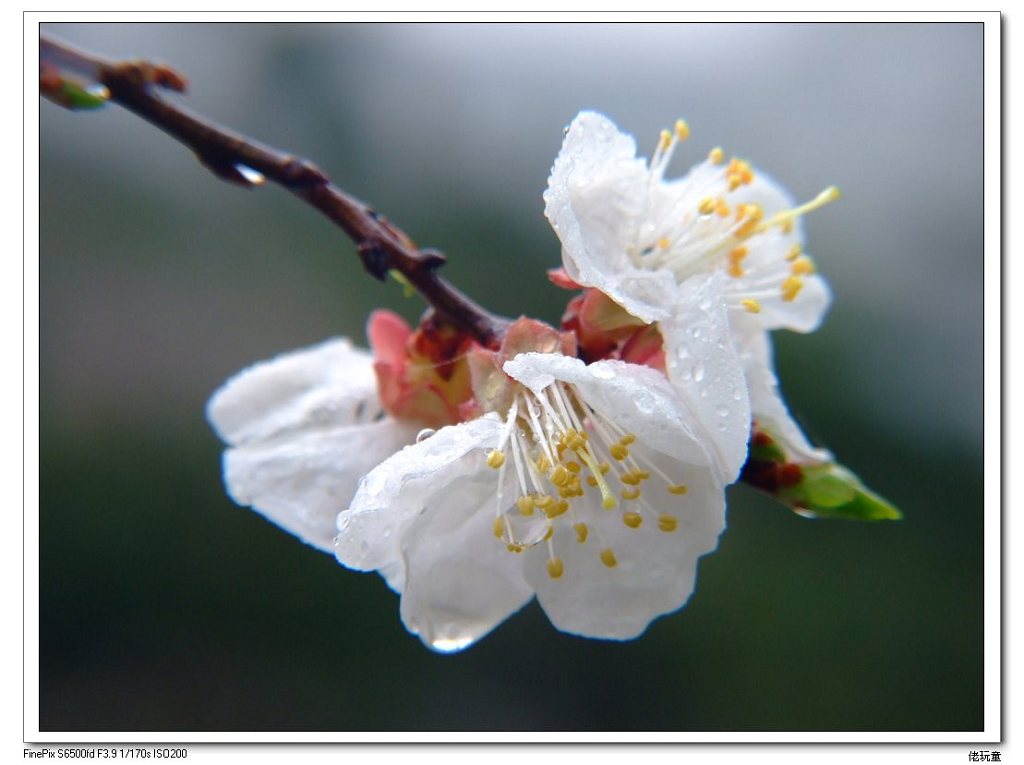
{"x": 381, "y": 245}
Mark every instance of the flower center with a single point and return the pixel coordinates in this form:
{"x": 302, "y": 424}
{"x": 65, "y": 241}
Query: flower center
{"x": 570, "y": 463}
{"x": 697, "y": 225}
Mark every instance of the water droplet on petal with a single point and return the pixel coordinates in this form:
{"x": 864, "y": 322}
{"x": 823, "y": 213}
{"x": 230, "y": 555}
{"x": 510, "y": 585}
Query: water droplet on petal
{"x": 722, "y": 410}
{"x": 698, "y": 371}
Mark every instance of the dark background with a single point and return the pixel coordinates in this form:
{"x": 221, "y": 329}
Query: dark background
{"x": 165, "y": 607}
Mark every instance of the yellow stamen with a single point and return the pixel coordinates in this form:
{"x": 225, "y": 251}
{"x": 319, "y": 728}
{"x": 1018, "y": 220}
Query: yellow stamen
{"x": 555, "y": 568}
{"x": 706, "y": 206}
{"x": 618, "y": 452}
{"x": 559, "y": 475}
{"x": 667, "y": 523}
{"x": 525, "y": 505}
{"x": 627, "y": 439}
{"x": 682, "y": 130}
{"x": 803, "y": 266}
{"x": 549, "y": 533}
{"x": 573, "y": 467}
{"x": 581, "y": 532}
{"x": 751, "y": 305}
{"x": 831, "y": 194}
{"x": 794, "y": 252}
{"x": 665, "y": 140}
{"x": 664, "y": 243}
{"x": 608, "y": 557}
{"x": 495, "y": 458}
{"x": 791, "y": 288}
{"x": 678, "y": 489}
{"x": 633, "y": 520}
{"x": 499, "y": 526}
{"x": 513, "y": 547}
{"x": 631, "y": 493}
{"x": 722, "y": 208}
{"x": 716, "y": 156}
{"x": 557, "y": 509}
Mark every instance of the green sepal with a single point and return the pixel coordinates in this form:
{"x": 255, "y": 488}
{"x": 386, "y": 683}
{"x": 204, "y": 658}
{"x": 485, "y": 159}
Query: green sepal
{"x": 832, "y": 491}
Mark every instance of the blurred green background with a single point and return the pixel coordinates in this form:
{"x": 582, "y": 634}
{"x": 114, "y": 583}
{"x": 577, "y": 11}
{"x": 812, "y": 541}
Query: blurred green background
{"x": 165, "y": 607}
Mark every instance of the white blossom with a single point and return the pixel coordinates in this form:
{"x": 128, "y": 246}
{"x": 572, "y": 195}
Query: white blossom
{"x": 302, "y": 429}
{"x": 594, "y": 488}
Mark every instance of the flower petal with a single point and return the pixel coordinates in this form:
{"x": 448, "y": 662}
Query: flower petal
{"x": 596, "y": 200}
{"x": 705, "y": 369}
{"x": 769, "y": 409}
{"x": 460, "y": 582}
{"x": 391, "y": 495}
{"x": 327, "y": 385}
{"x": 303, "y": 481}
{"x": 654, "y": 572}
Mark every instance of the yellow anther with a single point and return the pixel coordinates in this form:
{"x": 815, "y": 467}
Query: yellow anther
{"x": 559, "y": 475}
{"x": 631, "y": 479}
{"x": 603, "y": 467}
{"x": 803, "y": 266}
{"x": 716, "y": 156}
{"x": 633, "y": 520}
{"x": 787, "y": 226}
{"x": 591, "y": 481}
{"x": 754, "y": 216}
{"x": 794, "y": 252}
{"x": 499, "y": 526}
{"x": 678, "y": 489}
{"x": 513, "y": 547}
{"x": 791, "y": 287}
{"x": 751, "y": 305}
{"x": 549, "y": 533}
{"x": 682, "y": 130}
{"x": 543, "y": 463}
{"x": 741, "y": 211}
{"x": 618, "y": 452}
{"x": 544, "y": 501}
{"x": 722, "y": 208}
{"x": 555, "y": 568}
{"x": 643, "y": 475}
{"x": 495, "y": 458}
{"x": 665, "y": 140}
{"x": 737, "y": 254}
{"x": 735, "y": 270}
{"x": 581, "y": 532}
{"x": 664, "y": 243}
{"x": 608, "y": 557}
{"x": 706, "y": 206}
{"x": 631, "y": 493}
{"x": 572, "y": 467}
{"x": 558, "y": 508}
{"x": 525, "y": 505}
{"x": 627, "y": 439}
{"x": 609, "y": 501}
{"x": 667, "y": 523}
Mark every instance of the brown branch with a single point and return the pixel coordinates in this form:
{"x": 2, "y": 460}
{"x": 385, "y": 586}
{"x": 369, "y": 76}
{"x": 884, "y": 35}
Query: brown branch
{"x": 381, "y": 245}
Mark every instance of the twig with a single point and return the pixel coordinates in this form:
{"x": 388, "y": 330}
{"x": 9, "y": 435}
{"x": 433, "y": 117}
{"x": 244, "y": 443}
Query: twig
{"x": 381, "y": 245}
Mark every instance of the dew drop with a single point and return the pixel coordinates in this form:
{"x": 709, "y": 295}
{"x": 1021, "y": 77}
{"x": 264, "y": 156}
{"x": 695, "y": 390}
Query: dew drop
{"x": 698, "y": 371}
{"x": 722, "y": 410}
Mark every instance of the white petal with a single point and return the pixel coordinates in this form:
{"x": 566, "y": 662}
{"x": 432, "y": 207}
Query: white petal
{"x": 705, "y": 369}
{"x": 655, "y": 572}
{"x": 328, "y": 385}
{"x": 460, "y": 581}
{"x": 766, "y": 401}
{"x": 638, "y": 399}
{"x": 596, "y": 200}
{"x": 802, "y": 314}
{"x": 303, "y": 481}
{"x": 391, "y": 495}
